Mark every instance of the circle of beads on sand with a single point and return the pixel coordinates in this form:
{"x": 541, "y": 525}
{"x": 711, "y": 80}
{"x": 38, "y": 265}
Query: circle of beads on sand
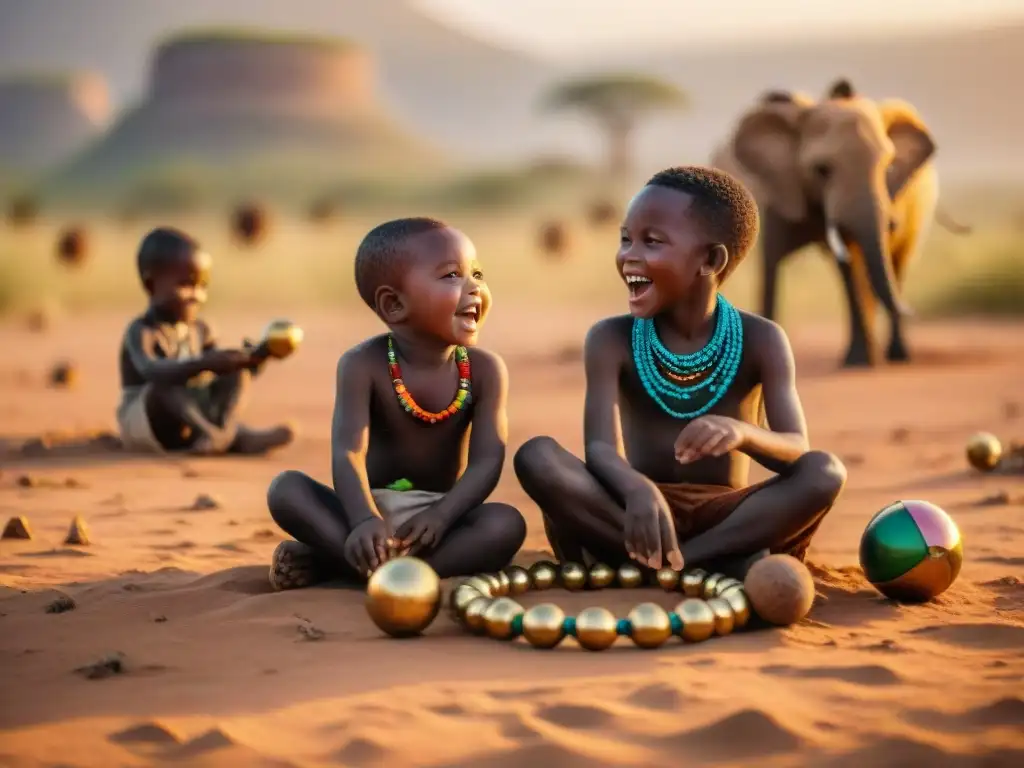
{"x": 463, "y": 395}
{"x": 712, "y": 604}
{"x": 664, "y": 373}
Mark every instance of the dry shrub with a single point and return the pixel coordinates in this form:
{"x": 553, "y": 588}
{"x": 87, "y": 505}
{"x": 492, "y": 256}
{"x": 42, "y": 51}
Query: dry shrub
{"x": 73, "y": 246}
{"x": 22, "y": 211}
{"x": 554, "y": 238}
{"x": 250, "y": 223}
{"x": 63, "y": 374}
{"x": 601, "y": 213}
{"x": 323, "y": 210}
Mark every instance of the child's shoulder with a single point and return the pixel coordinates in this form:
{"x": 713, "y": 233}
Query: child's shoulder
{"x": 764, "y": 339}
{"x": 608, "y": 335}
{"x": 361, "y": 355}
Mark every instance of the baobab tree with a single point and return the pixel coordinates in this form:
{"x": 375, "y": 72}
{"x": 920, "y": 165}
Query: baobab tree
{"x": 617, "y": 102}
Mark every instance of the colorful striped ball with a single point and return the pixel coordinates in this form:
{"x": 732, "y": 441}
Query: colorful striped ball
{"x": 911, "y": 551}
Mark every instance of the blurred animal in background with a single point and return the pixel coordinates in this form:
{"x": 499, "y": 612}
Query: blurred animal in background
{"x": 851, "y": 174}
{"x": 554, "y": 239}
{"x": 250, "y": 224}
{"x": 73, "y": 246}
{"x": 22, "y": 211}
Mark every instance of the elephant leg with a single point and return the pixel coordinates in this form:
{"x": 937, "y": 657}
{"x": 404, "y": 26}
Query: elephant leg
{"x": 898, "y": 351}
{"x": 779, "y": 238}
{"x": 861, "y": 302}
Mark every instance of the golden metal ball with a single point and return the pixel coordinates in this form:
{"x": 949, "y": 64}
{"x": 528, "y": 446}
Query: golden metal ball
{"x": 573, "y": 576}
{"x": 737, "y": 600}
{"x": 543, "y": 575}
{"x": 492, "y": 580}
{"x": 281, "y": 338}
{"x": 693, "y": 582}
{"x": 725, "y": 584}
{"x": 481, "y": 585}
{"x": 710, "y": 583}
{"x": 403, "y": 596}
{"x": 596, "y": 628}
{"x": 473, "y": 616}
{"x": 498, "y": 617}
{"x": 650, "y": 625}
{"x": 544, "y": 625}
{"x": 518, "y": 580}
{"x": 630, "y": 576}
{"x": 698, "y": 620}
{"x": 668, "y": 579}
{"x": 504, "y": 584}
{"x": 725, "y": 621}
{"x": 601, "y": 576}
{"x": 461, "y": 597}
{"x": 984, "y": 451}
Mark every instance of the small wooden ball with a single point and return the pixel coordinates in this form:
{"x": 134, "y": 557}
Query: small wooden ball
{"x": 984, "y": 451}
{"x": 780, "y": 589}
{"x": 601, "y": 576}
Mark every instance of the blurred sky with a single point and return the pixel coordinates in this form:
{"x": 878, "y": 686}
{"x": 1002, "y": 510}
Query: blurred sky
{"x": 572, "y": 26}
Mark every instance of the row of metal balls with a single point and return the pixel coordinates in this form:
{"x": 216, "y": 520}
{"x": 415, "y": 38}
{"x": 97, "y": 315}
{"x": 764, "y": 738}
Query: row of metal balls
{"x": 715, "y": 605}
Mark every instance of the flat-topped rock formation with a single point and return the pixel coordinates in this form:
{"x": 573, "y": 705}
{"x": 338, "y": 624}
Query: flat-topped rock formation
{"x": 227, "y": 99}
{"x": 45, "y": 119}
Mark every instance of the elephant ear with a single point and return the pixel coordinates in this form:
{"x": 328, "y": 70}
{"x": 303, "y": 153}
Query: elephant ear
{"x": 912, "y": 140}
{"x": 767, "y": 143}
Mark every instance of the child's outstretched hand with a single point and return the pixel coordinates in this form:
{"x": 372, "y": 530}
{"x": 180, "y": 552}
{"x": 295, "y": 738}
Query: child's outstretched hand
{"x": 709, "y": 436}
{"x": 424, "y": 531}
{"x": 366, "y": 547}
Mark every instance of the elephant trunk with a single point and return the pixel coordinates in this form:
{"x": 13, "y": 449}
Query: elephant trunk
{"x": 868, "y": 226}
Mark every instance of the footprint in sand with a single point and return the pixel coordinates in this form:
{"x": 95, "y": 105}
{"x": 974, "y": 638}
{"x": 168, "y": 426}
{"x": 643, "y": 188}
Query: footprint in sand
{"x": 868, "y": 674}
{"x": 574, "y": 716}
{"x": 660, "y": 696}
{"x": 1002, "y": 713}
{"x": 745, "y": 735}
{"x": 146, "y": 733}
{"x": 360, "y": 751}
{"x": 984, "y": 635}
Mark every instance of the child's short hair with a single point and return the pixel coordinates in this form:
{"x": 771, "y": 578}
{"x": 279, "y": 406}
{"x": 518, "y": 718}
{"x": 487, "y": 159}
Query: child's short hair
{"x": 161, "y": 247}
{"x": 382, "y": 256}
{"x": 725, "y": 208}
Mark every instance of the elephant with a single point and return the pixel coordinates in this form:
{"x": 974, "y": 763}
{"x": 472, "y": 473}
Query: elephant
{"x": 854, "y": 175}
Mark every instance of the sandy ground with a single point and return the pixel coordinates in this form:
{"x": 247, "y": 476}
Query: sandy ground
{"x": 218, "y": 670}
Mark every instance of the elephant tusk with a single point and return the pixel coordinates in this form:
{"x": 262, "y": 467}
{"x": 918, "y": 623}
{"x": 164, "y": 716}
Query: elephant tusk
{"x": 836, "y": 244}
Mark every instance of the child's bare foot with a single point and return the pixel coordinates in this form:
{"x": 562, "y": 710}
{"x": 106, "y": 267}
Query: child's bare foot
{"x": 208, "y": 445}
{"x": 292, "y": 566}
{"x": 257, "y": 441}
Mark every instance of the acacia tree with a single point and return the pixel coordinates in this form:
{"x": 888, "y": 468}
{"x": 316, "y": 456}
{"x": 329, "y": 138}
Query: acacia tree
{"x": 617, "y": 102}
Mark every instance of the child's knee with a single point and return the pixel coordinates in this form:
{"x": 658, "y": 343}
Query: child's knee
{"x": 534, "y": 457}
{"x": 506, "y": 525}
{"x": 284, "y": 488}
{"x": 823, "y": 476}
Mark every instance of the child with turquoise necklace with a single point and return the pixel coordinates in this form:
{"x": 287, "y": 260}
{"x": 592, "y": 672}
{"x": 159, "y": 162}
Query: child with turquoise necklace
{"x": 675, "y": 390}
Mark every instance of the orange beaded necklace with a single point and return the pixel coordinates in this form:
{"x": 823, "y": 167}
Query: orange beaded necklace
{"x": 462, "y": 397}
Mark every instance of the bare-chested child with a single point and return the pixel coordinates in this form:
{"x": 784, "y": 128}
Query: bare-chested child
{"x": 179, "y": 391}
{"x": 410, "y": 476}
{"x": 673, "y": 401}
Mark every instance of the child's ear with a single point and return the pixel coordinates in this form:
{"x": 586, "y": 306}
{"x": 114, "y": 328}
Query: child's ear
{"x": 390, "y": 305}
{"x": 716, "y": 260}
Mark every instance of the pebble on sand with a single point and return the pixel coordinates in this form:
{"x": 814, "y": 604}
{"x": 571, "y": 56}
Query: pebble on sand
{"x": 205, "y": 501}
{"x": 63, "y": 374}
{"x": 78, "y": 533}
{"x": 17, "y": 528}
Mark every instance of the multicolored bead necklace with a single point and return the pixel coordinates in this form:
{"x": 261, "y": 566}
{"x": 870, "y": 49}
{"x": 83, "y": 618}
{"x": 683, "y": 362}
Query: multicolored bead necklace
{"x": 662, "y": 371}
{"x": 462, "y": 397}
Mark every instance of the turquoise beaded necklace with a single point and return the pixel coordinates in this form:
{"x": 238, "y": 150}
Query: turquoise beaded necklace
{"x": 718, "y": 360}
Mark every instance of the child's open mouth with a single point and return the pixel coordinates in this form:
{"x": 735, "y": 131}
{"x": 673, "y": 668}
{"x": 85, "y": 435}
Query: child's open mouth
{"x": 469, "y": 317}
{"x": 638, "y": 285}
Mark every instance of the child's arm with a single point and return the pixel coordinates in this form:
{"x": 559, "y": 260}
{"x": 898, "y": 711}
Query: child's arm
{"x": 366, "y": 547}
{"x": 487, "y": 443}
{"x": 648, "y": 529}
{"x": 140, "y": 342}
{"x": 774, "y": 448}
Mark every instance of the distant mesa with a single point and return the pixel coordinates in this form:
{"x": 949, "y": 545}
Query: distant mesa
{"x": 45, "y": 119}
{"x": 225, "y": 98}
